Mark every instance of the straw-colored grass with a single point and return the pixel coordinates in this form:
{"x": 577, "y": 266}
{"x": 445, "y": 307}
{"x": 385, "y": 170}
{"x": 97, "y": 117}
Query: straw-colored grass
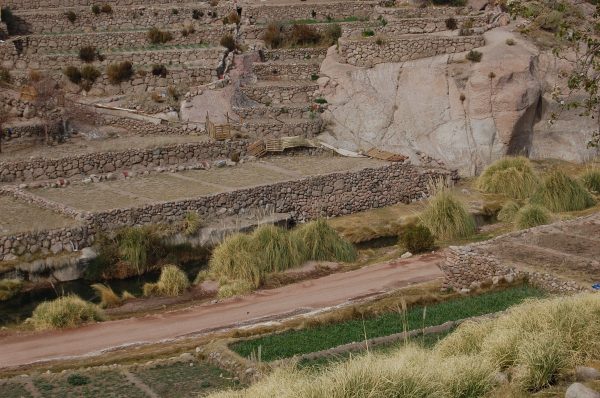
{"x": 172, "y": 282}
{"x": 446, "y": 216}
{"x": 235, "y": 288}
{"x": 191, "y": 223}
{"x": 320, "y": 242}
{"x": 511, "y": 176}
{"x": 559, "y": 192}
{"x": 538, "y": 341}
{"x": 64, "y": 312}
{"x": 269, "y": 249}
{"x": 9, "y": 288}
{"x": 591, "y": 179}
{"x": 531, "y": 216}
{"x": 108, "y": 298}
{"x": 509, "y": 211}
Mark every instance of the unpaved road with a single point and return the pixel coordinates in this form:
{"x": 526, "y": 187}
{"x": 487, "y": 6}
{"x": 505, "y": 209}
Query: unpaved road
{"x": 331, "y": 290}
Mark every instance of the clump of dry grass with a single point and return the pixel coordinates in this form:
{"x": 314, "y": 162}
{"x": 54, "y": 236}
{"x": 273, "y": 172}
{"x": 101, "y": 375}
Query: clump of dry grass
{"x": 509, "y": 211}
{"x": 446, "y": 216}
{"x": 559, "y": 192}
{"x": 108, "y": 297}
{"x": 172, "y": 282}
{"x": 64, "y": 312}
{"x": 318, "y": 241}
{"x": 591, "y": 179}
{"x": 511, "y": 176}
{"x": 9, "y": 288}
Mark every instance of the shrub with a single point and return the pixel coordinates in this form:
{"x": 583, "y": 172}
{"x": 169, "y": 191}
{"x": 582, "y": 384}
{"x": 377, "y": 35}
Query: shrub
{"x": 446, "y": 216}
{"x": 96, "y": 9}
{"x": 559, "y": 192}
{"x": 4, "y": 75}
{"x": 119, "y": 72}
{"x": 510, "y": 176}
{"x": 417, "y": 238}
{"x": 73, "y": 74}
{"x": 172, "y": 282}
{"x": 9, "y": 288}
{"x": 89, "y": 73}
{"x": 591, "y": 180}
{"x": 157, "y": 36}
{"x": 35, "y": 76}
{"x": 77, "y": 379}
{"x": 174, "y": 11}
{"x": 332, "y": 34}
{"x": 474, "y": 56}
{"x": 273, "y": 35}
{"x": 379, "y": 41}
{"x": 368, "y": 33}
{"x": 233, "y": 17}
{"x": 531, "y": 216}
{"x": 319, "y": 241}
{"x": 66, "y": 311}
{"x": 228, "y": 42}
{"x": 71, "y": 16}
{"x": 508, "y": 211}
{"x": 551, "y": 21}
{"x": 303, "y": 35}
{"x": 321, "y": 101}
{"x": 87, "y": 54}
{"x": 451, "y": 23}
{"x": 106, "y": 8}
{"x": 197, "y": 14}
{"x": 510, "y": 42}
{"x": 159, "y": 70}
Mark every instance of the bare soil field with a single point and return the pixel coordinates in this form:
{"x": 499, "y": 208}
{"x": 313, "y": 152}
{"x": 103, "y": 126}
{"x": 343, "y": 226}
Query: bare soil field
{"x": 19, "y": 216}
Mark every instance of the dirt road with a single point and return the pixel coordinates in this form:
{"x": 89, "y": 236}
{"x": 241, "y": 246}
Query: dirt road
{"x": 308, "y": 295}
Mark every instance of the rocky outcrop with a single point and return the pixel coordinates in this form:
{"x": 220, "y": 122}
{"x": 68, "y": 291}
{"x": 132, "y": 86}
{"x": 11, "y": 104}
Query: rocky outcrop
{"x": 463, "y": 113}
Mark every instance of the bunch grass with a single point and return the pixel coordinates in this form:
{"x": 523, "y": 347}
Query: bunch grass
{"x": 531, "y": 216}
{"x": 560, "y": 193}
{"x": 511, "y": 176}
{"x": 172, "y": 282}
{"x": 64, "y": 312}
{"x": 446, "y": 216}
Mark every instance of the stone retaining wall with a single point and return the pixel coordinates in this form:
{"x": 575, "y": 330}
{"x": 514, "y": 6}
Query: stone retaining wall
{"x": 282, "y": 94}
{"x": 275, "y": 129}
{"x": 37, "y": 4}
{"x": 286, "y": 71}
{"x": 105, "y": 162}
{"x": 366, "y": 51}
{"x": 425, "y": 12}
{"x": 298, "y": 54}
{"x": 325, "y": 195}
{"x": 40, "y": 44}
{"x": 268, "y": 13}
{"x": 280, "y": 112}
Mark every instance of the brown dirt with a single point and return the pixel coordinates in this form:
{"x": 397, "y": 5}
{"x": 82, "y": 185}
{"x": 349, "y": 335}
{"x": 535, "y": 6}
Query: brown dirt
{"x": 301, "y": 297}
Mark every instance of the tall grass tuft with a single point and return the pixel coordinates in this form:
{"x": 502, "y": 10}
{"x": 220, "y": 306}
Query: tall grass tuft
{"x": 509, "y": 211}
{"x": 172, "y": 282}
{"x": 591, "y": 179}
{"x": 237, "y": 258}
{"x": 319, "y": 241}
{"x": 136, "y": 245}
{"x": 446, "y": 216}
{"x": 511, "y": 176}
{"x": 108, "y": 298}
{"x": 66, "y": 311}
{"x": 276, "y": 249}
{"x": 559, "y": 192}
{"x": 531, "y": 216}
{"x": 191, "y": 223}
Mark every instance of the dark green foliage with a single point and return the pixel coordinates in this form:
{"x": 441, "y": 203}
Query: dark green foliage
{"x": 321, "y": 101}
{"x": 157, "y": 36}
{"x": 88, "y": 54}
{"x": 197, "y": 14}
{"x": 368, "y": 33}
{"x": 474, "y": 56}
{"x": 159, "y": 70}
{"x": 451, "y": 23}
{"x": 73, "y": 74}
{"x": 96, "y": 9}
{"x": 296, "y": 342}
{"x": 119, "y": 72}
{"x": 417, "y": 238}
{"x": 71, "y": 16}
{"x": 77, "y": 379}
{"x": 12, "y": 25}
{"x": 332, "y": 34}
{"x": 89, "y": 73}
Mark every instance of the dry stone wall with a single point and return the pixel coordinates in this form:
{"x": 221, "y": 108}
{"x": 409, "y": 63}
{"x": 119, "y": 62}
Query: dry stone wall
{"x": 418, "y": 12}
{"x": 280, "y": 112}
{"x": 106, "y": 162}
{"x": 276, "y": 129}
{"x": 294, "y": 54}
{"x": 261, "y": 14}
{"x": 44, "y": 4}
{"x": 367, "y": 52}
{"x": 286, "y": 71}
{"x": 282, "y": 94}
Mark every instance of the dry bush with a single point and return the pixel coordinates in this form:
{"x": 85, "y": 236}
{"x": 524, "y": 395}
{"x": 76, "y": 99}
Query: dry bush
{"x": 119, "y": 72}
{"x": 88, "y": 54}
{"x": 73, "y": 74}
{"x": 159, "y": 70}
{"x": 35, "y": 76}
{"x": 228, "y": 42}
{"x": 108, "y": 298}
{"x": 157, "y": 36}
{"x": 66, "y": 311}
{"x": 273, "y": 35}
{"x": 304, "y": 35}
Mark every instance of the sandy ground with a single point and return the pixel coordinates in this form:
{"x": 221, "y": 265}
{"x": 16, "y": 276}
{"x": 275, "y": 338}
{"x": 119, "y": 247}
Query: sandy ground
{"x": 331, "y": 290}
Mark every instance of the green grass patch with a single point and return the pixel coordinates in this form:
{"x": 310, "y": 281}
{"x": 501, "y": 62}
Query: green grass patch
{"x": 180, "y": 380}
{"x": 532, "y": 216}
{"x": 296, "y": 342}
{"x": 511, "y": 176}
{"x": 591, "y": 179}
{"x": 559, "y": 192}
{"x": 11, "y": 389}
